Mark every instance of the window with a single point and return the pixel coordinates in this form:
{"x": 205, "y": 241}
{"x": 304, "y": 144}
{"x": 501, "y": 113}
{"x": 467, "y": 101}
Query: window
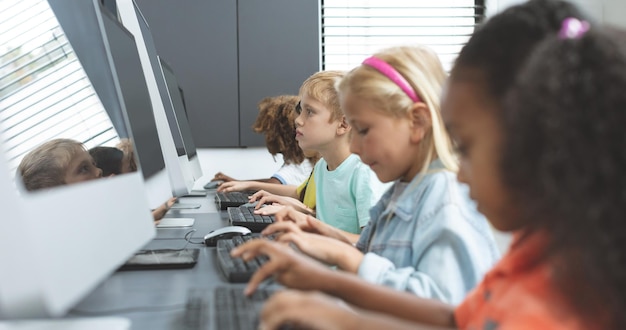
{"x": 355, "y": 29}
{"x": 44, "y": 92}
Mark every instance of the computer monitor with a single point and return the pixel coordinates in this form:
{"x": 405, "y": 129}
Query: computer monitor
{"x": 181, "y": 177}
{"x": 126, "y": 67}
{"x": 59, "y": 243}
{"x": 181, "y": 122}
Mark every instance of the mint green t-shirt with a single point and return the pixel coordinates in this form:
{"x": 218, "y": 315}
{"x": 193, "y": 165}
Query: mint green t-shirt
{"x": 344, "y": 196}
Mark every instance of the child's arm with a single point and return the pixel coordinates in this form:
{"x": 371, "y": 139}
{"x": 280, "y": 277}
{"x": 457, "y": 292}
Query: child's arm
{"x": 446, "y": 262}
{"x": 325, "y": 249}
{"x": 219, "y": 176}
{"x": 298, "y": 271}
{"x": 267, "y": 198}
{"x": 313, "y": 310}
{"x": 311, "y": 224}
{"x": 278, "y": 189}
{"x": 160, "y": 211}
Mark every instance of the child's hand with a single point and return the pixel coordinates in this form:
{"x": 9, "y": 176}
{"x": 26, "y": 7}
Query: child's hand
{"x": 309, "y": 310}
{"x": 223, "y": 177}
{"x": 233, "y": 186}
{"x": 281, "y": 227}
{"x": 290, "y": 268}
{"x": 268, "y": 209}
{"x": 258, "y": 196}
{"x": 325, "y": 249}
{"x": 264, "y": 197}
{"x": 288, "y": 213}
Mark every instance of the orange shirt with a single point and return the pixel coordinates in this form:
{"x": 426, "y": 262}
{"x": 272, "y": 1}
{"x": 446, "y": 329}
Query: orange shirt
{"x": 517, "y": 293}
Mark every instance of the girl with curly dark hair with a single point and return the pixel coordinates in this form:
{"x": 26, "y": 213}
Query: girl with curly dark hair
{"x": 276, "y": 122}
{"x": 542, "y": 152}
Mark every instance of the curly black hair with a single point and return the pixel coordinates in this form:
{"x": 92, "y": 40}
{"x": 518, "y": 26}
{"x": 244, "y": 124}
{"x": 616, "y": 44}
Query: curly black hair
{"x": 499, "y": 47}
{"x": 276, "y": 120}
{"x": 569, "y": 173}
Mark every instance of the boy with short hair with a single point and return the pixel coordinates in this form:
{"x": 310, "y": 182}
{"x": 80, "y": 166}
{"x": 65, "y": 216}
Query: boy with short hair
{"x": 345, "y": 187}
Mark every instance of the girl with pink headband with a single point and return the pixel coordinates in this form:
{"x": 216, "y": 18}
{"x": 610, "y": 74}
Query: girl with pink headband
{"x": 425, "y": 235}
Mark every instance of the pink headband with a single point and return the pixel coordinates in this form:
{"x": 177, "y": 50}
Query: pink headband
{"x": 391, "y": 73}
{"x": 573, "y": 28}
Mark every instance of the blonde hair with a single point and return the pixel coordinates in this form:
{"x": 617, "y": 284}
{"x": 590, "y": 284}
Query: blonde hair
{"x": 45, "y": 166}
{"x": 129, "y": 153}
{"x": 321, "y": 87}
{"x": 421, "y": 67}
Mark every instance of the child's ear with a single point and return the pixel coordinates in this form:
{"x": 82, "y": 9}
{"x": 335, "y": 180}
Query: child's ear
{"x": 420, "y": 121}
{"x": 343, "y": 127}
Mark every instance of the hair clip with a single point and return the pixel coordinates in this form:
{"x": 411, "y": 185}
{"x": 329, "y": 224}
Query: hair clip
{"x": 573, "y": 28}
{"x": 391, "y": 73}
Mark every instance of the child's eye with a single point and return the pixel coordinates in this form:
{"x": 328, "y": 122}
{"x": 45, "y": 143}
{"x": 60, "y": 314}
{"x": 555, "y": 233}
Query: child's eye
{"x": 461, "y": 149}
{"x": 298, "y": 108}
{"x": 362, "y": 131}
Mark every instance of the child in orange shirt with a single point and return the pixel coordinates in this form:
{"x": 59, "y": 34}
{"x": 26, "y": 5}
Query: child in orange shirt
{"x": 543, "y": 156}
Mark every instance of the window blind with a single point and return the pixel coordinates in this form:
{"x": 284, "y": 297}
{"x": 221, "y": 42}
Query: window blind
{"x": 44, "y": 92}
{"x": 352, "y": 30}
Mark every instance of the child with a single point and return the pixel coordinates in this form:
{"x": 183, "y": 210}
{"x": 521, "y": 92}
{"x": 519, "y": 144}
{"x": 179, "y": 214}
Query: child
{"x": 425, "y": 236}
{"x": 108, "y": 159}
{"x": 546, "y": 164}
{"x": 276, "y": 122}
{"x": 129, "y": 164}
{"x": 57, "y": 162}
{"x": 345, "y": 187}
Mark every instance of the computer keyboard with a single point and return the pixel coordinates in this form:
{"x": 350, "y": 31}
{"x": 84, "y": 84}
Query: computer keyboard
{"x": 234, "y": 310}
{"x": 224, "y": 200}
{"x": 244, "y": 216}
{"x": 197, "y": 309}
{"x": 236, "y": 270}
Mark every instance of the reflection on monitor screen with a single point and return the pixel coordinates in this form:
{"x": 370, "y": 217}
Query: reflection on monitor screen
{"x": 52, "y": 102}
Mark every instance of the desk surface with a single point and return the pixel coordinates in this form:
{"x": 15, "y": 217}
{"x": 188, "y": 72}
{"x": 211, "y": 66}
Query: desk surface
{"x": 155, "y": 299}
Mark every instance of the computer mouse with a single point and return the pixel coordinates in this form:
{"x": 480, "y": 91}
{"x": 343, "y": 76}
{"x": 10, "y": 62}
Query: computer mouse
{"x": 213, "y": 184}
{"x": 213, "y": 236}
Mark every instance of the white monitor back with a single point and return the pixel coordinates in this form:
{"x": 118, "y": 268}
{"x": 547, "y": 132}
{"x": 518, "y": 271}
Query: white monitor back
{"x": 57, "y": 245}
{"x": 180, "y": 175}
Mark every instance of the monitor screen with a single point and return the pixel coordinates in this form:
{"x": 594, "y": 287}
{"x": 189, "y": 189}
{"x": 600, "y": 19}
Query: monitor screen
{"x": 179, "y": 109}
{"x": 135, "y": 93}
{"x": 181, "y": 177}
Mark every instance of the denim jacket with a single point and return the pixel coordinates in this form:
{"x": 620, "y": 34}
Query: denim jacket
{"x": 435, "y": 244}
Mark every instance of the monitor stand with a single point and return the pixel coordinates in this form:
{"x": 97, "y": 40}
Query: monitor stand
{"x": 185, "y": 206}
{"x": 196, "y": 193}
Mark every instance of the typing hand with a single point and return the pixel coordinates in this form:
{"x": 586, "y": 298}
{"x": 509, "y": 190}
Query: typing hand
{"x": 288, "y": 267}
{"x": 309, "y": 310}
{"x": 290, "y": 214}
{"x": 268, "y": 209}
{"x": 264, "y": 197}
{"x": 222, "y": 177}
{"x": 233, "y": 186}
{"x": 325, "y": 249}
